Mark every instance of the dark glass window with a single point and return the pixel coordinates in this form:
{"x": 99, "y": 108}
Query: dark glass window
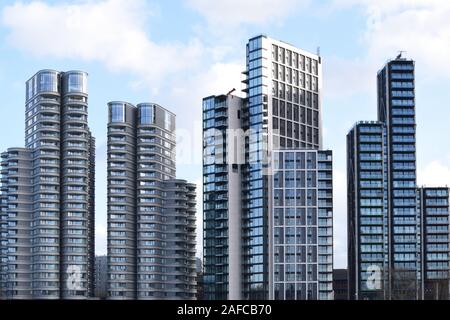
{"x": 283, "y": 127}
{"x": 302, "y": 115}
{"x": 309, "y": 117}
{"x": 275, "y": 107}
{"x": 289, "y": 111}
{"x": 275, "y": 123}
{"x": 295, "y": 113}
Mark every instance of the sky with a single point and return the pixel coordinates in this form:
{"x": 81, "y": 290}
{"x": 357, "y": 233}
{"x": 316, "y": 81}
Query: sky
{"x": 176, "y": 52}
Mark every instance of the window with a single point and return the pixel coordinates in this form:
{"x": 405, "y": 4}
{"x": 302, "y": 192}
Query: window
{"x": 76, "y": 82}
{"x": 117, "y": 112}
{"x": 48, "y": 82}
{"x": 255, "y": 44}
{"x": 146, "y": 114}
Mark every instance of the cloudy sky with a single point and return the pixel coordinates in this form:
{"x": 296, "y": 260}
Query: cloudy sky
{"x": 176, "y": 52}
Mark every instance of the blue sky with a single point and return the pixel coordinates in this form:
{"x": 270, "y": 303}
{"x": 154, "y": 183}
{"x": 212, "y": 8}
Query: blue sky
{"x": 176, "y": 52}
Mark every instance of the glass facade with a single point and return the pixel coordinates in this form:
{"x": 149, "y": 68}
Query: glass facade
{"x": 117, "y": 113}
{"x": 281, "y": 111}
{"x": 215, "y": 199}
{"x": 48, "y": 82}
{"x": 222, "y": 192}
{"x": 396, "y": 108}
{"x": 255, "y": 202}
{"x": 367, "y": 214}
{"x": 75, "y": 82}
{"x": 146, "y": 114}
{"x": 43, "y": 81}
{"x": 434, "y": 208}
{"x": 302, "y": 243}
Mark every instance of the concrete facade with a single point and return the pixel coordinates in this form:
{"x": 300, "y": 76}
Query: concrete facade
{"x": 151, "y": 216}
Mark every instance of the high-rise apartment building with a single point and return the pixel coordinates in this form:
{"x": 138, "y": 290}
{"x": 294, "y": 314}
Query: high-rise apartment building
{"x": 367, "y": 215}
{"x": 151, "y": 215}
{"x": 222, "y": 200}
{"x": 18, "y": 195}
{"x": 48, "y": 194}
{"x": 386, "y": 229}
{"x": 434, "y": 212}
{"x": 281, "y": 111}
{"x": 396, "y": 109}
{"x": 302, "y": 218}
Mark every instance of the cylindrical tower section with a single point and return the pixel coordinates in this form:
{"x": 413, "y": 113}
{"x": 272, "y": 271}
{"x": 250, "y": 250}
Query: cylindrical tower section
{"x": 74, "y": 185}
{"x": 155, "y": 163}
{"x": 121, "y": 201}
{"x": 42, "y": 134}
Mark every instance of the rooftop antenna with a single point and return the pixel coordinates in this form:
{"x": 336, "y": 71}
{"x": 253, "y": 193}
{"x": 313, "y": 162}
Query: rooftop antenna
{"x": 400, "y": 53}
{"x": 231, "y": 91}
{"x": 318, "y": 51}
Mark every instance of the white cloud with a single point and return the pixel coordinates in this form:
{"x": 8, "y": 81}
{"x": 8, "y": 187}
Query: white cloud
{"x": 217, "y": 78}
{"x": 109, "y": 31}
{"x": 435, "y": 174}
{"x": 233, "y": 13}
{"x": 113, "y": 32}
{"x": 419, "y": 27}
{"x": 343, "y": 77}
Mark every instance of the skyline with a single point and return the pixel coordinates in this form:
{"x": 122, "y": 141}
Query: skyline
{"x": 215, "y": 73}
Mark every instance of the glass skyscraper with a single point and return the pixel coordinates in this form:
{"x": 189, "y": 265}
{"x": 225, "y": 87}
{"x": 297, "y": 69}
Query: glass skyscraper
{"x": 367, "y": 215}
{"x": 48, "y": 194}
{"x": 396, "y": 109}
{"x": 386, "y": 239}
{"x": 433, "y": 205}
{"x": 281, "y": 111}
{"x": 222, "y": 199}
